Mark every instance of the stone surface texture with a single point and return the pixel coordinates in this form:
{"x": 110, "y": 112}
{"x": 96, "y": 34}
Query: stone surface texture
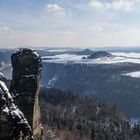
{"x": 24, "y": 86}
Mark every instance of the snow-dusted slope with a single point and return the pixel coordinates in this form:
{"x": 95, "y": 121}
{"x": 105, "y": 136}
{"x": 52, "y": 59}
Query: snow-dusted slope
{"x": 135, "y": 74}
{"x": 72, "y": 58}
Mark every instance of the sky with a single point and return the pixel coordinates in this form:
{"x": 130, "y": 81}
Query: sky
{"x": 69, "y": 23}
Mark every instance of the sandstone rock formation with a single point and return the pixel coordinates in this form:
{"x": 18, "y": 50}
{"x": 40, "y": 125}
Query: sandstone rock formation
{"x": 24, "y": 86}
{"x": 13, "y": 124}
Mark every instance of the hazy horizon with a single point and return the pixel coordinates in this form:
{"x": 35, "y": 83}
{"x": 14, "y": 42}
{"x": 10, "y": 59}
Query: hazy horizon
{"x": 64, "y": 23}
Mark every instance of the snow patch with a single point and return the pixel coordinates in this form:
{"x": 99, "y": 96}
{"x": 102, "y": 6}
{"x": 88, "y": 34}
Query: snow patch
{"x": 118, "y": 58}
{"x": 135, "y": 74}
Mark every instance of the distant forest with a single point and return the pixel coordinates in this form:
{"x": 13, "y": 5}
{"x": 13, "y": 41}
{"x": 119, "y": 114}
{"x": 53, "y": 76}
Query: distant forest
{"x": 105, "y": 81}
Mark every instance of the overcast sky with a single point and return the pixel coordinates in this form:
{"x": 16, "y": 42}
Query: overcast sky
{"x": 69, "y": 23}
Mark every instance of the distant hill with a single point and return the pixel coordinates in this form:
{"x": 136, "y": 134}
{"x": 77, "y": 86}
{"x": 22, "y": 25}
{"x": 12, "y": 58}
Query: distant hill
{"x": 85, "y": 52}
{"x": 100, "y": 54}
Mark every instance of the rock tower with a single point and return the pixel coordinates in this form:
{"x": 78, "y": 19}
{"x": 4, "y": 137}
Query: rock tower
{"x": 24, "y": 86}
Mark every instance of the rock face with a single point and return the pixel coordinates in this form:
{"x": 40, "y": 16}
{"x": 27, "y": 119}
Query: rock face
{"x": 13, "y": 124}
{"x": 24, "y": 86}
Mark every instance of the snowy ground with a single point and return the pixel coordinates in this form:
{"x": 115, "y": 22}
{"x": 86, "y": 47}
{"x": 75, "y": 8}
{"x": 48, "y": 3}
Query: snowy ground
{"x": 118, "y": 58}
{"x": 135, "y": 74}
{"x": 132, "y": 54}
{"x": 72, "y": 58}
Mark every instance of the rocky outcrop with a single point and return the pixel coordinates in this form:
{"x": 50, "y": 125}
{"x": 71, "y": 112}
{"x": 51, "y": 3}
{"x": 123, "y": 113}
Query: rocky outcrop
{"x": 86, "y": 52}
{"x": 13, "y": 124}
{"x": 24, "y": 86}
{"x": 100, "y": 54}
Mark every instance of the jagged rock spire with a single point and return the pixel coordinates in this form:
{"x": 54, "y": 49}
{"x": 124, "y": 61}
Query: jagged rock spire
{"x": 27, "y": 65}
